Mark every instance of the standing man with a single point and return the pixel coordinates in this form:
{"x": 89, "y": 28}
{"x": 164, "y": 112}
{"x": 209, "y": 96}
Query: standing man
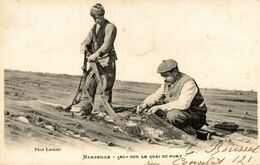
{"x": 99, "y": 44}
{"x": 178, "y": 100}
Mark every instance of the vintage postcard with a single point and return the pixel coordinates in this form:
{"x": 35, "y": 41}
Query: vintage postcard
{"x": 130, "y": 82}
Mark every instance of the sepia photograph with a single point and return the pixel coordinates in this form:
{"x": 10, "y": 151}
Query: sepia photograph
{"x": 130, "y": 82}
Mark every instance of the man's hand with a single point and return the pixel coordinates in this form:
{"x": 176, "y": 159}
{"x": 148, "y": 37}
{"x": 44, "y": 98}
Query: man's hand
{"x": 93, "y": 56}
{"x": 141, "y": 107}
{"x": 154, "y": 109}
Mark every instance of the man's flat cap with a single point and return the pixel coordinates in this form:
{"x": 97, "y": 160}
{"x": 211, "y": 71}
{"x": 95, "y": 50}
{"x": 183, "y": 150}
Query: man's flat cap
{"x": 97, "y": 10}
{"x": 167, "y": 65}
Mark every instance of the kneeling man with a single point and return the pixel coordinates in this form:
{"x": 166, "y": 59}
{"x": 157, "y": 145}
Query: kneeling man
{"x": 178, "y": 100}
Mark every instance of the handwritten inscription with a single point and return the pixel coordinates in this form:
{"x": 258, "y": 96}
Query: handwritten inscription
{"x": 185, "y": 161}
{"x": 214, "y": 154}
{"x": 217, "y": 147}
{"x": 214, "y": 158}
{"x": 152, "y": 163}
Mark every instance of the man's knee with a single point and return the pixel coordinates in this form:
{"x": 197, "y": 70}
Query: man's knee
{"x": 173, "y": 115}
{"x": 177, "y": 118}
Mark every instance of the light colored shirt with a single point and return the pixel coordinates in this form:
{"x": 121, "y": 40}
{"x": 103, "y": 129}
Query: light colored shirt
{"x": 187, "y": 94}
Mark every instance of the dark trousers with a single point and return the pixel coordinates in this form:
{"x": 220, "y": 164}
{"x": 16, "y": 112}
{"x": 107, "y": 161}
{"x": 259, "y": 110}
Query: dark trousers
{"x": 183, "y": 118}
{"x": 108, "y": 75}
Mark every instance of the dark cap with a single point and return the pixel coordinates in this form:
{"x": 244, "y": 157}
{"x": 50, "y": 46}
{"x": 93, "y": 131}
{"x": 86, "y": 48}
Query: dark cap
{"x": 97, "y": 10}
{"x": 167, "y": 65}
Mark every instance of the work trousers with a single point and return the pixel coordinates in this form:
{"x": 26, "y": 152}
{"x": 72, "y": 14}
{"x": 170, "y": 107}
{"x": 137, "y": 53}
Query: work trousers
{"x": 183, "y": 118}
{"x": 108, "y": 74}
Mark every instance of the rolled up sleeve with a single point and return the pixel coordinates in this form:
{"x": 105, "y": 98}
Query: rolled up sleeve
{"x": 87, "y": 41}
{"x": 156, "y": 96}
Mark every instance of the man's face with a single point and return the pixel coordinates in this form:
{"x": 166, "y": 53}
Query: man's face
{"x": 171, "y": 76}
{"x": 98, "y": 19}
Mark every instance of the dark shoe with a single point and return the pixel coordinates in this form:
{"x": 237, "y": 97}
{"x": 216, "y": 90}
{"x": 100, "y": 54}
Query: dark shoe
{"x": 203, "y": 135}
{"x": 85, "y": 111}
